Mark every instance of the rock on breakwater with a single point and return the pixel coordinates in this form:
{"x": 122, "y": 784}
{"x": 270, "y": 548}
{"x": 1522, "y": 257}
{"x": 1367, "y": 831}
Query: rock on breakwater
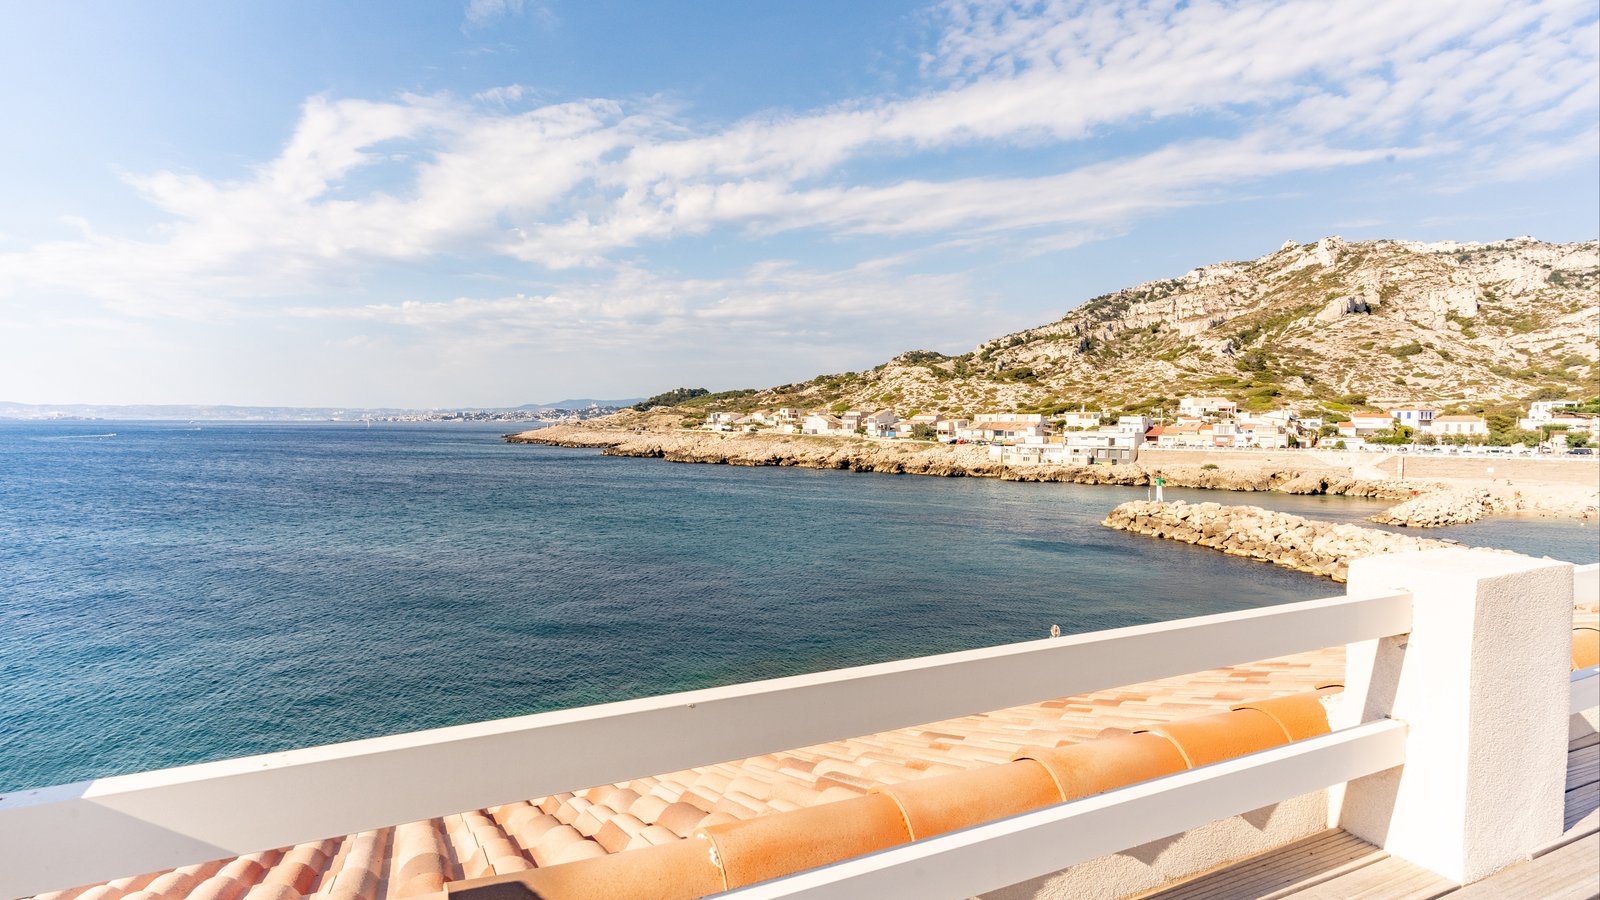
{"x": 1450, "y": 507}
{"x": 1306, "y": 545}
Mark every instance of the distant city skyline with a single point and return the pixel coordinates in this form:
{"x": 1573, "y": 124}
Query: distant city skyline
{"x": 489, "y": 203}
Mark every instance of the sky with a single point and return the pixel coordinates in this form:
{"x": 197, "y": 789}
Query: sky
{"x": 495, "y": 202}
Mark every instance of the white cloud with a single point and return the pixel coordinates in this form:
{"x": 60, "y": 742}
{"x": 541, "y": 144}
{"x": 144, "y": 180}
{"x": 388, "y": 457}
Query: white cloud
{"x": 481, "y": 12}
{"x": 1255, "y": 91}
{"x": 769, "y": 303}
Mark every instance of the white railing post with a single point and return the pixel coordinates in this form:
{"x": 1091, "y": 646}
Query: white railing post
{"x": 1482, "y": 683}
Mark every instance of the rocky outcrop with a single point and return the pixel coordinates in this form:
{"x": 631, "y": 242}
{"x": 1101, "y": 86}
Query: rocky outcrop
{"x": 1451, "y": 507}
{"x": 1390, "y": 321}
{"x": 904, "y": 458}
{"x": 1306, "y": 545}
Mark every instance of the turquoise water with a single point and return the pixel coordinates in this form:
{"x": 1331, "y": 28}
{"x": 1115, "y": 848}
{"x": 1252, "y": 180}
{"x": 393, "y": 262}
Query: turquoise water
{"x": 177, "y": 593}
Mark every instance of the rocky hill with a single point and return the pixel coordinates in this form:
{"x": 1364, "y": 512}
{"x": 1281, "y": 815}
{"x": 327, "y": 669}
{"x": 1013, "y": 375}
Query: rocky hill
{"x": 1331, "y": 325}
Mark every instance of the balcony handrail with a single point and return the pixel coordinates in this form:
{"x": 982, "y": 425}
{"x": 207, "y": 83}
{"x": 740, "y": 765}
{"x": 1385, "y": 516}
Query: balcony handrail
{"x": 1009, "y": 851}
{"x": 159, "y": 820}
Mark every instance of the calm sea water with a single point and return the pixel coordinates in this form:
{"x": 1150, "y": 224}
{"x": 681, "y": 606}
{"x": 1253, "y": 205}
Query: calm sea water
{"x": 177, "y": 593}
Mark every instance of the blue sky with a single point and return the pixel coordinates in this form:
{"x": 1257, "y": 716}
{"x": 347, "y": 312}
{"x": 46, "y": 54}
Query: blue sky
{"x": 494, "y": 202}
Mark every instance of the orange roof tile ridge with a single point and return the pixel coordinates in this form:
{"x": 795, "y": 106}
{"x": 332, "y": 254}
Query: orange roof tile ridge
{"x": 738, "y": 853}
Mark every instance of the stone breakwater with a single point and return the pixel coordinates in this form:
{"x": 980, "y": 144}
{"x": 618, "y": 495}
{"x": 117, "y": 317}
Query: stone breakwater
{"x": 1449, "y": 507}
{"x": 1306, "y": 545}
{"x": 946, "y": 460}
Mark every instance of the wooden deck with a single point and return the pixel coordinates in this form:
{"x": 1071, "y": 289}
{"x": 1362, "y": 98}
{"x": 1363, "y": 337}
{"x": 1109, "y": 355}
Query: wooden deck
{"x": 1334, "y": 865}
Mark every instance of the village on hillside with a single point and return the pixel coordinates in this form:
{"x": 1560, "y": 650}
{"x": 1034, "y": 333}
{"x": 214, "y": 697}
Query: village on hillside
{"x": 1089, "y": 437}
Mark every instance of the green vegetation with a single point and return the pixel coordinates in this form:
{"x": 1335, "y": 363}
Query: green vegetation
{"x": 1399, "y": 435}
{"x": 670, "y": 398}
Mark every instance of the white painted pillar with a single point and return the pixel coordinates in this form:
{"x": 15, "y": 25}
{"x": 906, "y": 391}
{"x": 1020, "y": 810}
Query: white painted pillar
{"x": 1482, "y": 682}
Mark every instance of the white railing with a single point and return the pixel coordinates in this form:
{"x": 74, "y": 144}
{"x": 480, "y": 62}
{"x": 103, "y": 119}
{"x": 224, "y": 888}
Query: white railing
{"x": 159, "y": 820}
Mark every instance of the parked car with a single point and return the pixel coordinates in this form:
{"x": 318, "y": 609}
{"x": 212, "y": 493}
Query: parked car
{"x": 1581, "y": 451}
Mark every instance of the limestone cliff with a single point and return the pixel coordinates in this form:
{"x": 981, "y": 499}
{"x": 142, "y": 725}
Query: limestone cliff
{"x": 1330, "y": 323}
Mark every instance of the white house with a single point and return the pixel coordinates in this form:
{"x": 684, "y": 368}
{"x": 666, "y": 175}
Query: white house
{"x": 1549, "y": 412}
{"x": 1282, "y": 418}
{"x": 1000, "y": 430}
{"x": 1109, "y": 445}
{"x": 1207, "y": 407}
{"x": 1081, "y": 420}
{"x": 1183, "y": 436}
{"x": 1418, "y": 418}
{"x": 822, "y": 423}
{"x": 1037, "y": 418}
{"x": 1471, "y": 426}
{"x": 880, "y": 424}
{"x": 1363, "y": 425}
{"x": 1545, "y": 410}
{"x": 1262, "y": 436}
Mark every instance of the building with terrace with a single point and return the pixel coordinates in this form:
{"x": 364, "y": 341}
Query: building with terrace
{"x": 1208, "y": 407}
{"x": 1431, "y": 729}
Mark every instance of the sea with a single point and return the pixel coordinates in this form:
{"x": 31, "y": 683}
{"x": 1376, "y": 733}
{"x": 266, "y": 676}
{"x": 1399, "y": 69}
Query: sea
{"x": 174, "y": 593}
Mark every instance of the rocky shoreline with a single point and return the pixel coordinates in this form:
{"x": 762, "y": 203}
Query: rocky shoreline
{"x": 943, "y": 460}
{"x": 1294, "y": 542}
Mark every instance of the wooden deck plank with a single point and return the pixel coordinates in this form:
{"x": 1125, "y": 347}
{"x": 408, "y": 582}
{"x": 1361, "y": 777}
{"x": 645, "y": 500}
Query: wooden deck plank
{"x": 1582, "y": 804}
{"x": 1569, "y": 872}
{"x": 1388, "y": 879}
{"x": 1335, "y": 865}
{"x": 1304, "y": 862}
{"x": 1583, "y": 766}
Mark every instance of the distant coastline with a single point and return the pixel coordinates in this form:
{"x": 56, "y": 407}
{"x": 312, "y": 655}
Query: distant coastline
{"x": 549, "y": 413}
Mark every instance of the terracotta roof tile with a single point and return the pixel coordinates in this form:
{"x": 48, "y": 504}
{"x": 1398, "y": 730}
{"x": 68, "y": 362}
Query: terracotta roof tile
{"x": 618, "y": 832}
{"x": 218, "y": 887}
{"x": 270, "y": 890}
{"x": 680, "y": 818}
{"x": 657, "y": 834}
{"x": 681, "y": 870}
{"x": 937, "y": 805}
{"x": 552, "y": 842}
{"x": 1203, "y": 740}
{"x": 1299, "y": 716}
{"x": 1585, "y": 647}
{"x": 769, "y": 846}
{"x": 1100, "y": 765}
{"x": 576, "y": 851}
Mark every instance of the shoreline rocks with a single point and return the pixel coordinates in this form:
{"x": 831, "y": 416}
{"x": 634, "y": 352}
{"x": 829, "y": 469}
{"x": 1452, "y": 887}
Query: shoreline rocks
{"x": 1294, "y": 542}
{"x": 942, "y": 460}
